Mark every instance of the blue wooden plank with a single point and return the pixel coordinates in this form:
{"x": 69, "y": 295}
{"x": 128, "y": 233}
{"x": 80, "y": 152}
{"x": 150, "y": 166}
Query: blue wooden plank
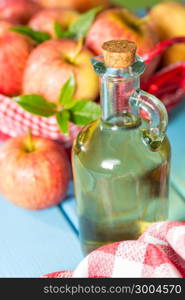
{"x": 33, "y": 243}
{"x": 69, "y": 207}
{"x": 176, "y": 134}
{"x": 176, "y": 206}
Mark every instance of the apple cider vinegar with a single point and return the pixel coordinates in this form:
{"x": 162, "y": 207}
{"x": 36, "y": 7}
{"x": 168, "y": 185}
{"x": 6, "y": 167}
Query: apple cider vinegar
{"x": 121, "y": 162}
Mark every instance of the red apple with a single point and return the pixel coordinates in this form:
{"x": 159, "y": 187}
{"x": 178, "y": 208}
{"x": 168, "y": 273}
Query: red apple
{"x": 120, "y": 23}
{"x": 80, "y": 5}
{"x": 14, "y": 52}
{"x": 45, "y": 19}
{"x": 19, "y": 11}
{"x": 34, "y": 172}
{"x": 50, "y": 65}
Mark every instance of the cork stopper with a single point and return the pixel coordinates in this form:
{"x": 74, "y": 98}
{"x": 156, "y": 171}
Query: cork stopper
{"x": 119, "y": 53}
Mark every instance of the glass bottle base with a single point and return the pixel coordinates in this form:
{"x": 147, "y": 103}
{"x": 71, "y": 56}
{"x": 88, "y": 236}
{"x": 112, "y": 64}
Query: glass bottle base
{"x": 94, "y": 236}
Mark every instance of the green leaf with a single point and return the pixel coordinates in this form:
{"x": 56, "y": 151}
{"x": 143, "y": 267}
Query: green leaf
{"x": 133, "y": 4}
{"x": 63, "y": 120}
{"x": 36, "y": 105}
{"x": 84, "y": 112}
{"x": 60, "y": 33}
{"x": 67, "y": 91}
{"x": 82, "y": 25}
{"x": 37, "y": 36}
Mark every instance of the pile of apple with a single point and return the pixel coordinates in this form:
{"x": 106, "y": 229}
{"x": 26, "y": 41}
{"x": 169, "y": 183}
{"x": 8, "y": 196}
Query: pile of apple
{"x": 35, "y": 172}
{"x": 42, "y": 69}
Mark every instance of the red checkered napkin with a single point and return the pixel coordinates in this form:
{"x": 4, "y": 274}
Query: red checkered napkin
{"x": 159, "y": 252}
{"x": 14, "y": 121}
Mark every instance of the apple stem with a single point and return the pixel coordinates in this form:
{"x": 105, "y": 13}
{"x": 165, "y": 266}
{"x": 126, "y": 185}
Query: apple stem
{"x": 79, "y": 47}
{"x": 30, "y": 147}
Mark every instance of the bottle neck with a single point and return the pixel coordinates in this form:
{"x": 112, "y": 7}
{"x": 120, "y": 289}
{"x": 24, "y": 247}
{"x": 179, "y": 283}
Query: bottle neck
{"x": 115, "y": 94}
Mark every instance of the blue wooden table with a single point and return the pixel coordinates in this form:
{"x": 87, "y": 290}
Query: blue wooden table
{"x": 40, "y": 242}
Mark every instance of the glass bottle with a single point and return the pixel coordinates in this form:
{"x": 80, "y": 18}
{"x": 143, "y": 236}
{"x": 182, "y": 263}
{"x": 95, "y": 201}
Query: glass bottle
{"x": 121, "y": 162}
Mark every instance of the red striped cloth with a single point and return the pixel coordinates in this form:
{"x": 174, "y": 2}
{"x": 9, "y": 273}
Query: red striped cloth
{"x": 14, "y": 121}
{"x": 159, "y": 252}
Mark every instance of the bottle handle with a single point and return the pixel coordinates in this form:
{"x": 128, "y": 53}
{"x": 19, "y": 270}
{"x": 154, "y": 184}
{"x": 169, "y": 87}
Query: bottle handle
{"x": 143, "y": 103}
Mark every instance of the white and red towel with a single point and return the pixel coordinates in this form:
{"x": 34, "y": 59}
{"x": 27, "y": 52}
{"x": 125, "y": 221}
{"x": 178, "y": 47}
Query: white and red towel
{"x": 159, "y": 252}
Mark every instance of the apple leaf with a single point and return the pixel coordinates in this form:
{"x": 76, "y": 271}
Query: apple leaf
{"x": 36, "y": 105}
{"x": 84, "y": 112}
{"x": 37, "y": 36}
{"x": 60, "y": 33}
{"x": 63, "y": 118}
{"x": 81, "y": 26}
{"x": 68, "y": 109}
{"x": 67, "y": 91}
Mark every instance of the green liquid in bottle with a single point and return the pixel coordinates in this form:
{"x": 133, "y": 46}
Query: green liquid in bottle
{"x": 125, "y": 183}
